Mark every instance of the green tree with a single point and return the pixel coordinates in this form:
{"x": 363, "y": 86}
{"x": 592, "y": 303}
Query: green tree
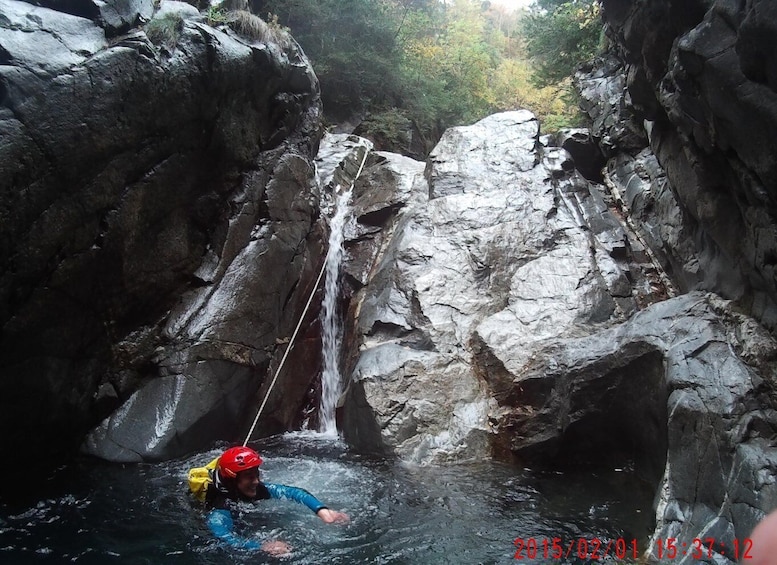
{"x": 449, "y": 56}
{"x": 561, "y": 35}
{"x": 352, "y": 44}
{"x": 426, "y": 65}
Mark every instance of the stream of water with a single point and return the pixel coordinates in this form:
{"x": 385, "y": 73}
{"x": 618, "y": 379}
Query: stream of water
{"x": 331, "y": 332}
{"x": 97, "y": 513}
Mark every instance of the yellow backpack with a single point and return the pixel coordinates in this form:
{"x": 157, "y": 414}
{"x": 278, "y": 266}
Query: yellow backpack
{"x": 200, "y": 478}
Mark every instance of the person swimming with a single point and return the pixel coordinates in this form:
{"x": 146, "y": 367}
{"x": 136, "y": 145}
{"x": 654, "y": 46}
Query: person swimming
{"x": 235, "y": 477}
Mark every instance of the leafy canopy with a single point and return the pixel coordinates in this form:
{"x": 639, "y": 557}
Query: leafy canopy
{"x": 561, "y": 35}
{"x": 427, "y": 65}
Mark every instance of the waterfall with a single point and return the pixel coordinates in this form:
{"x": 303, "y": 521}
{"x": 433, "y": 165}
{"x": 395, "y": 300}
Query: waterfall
{"x": 332, "y": 331}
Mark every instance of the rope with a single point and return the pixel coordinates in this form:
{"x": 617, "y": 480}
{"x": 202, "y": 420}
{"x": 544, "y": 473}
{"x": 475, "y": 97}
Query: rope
{"x": 285, "y": 354}
{"x": 299, "y": 324}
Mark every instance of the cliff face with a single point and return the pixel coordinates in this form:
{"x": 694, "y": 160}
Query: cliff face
{"x": 692, "y": 86}
{"x": 684, "y": 108}
{"x": 159, "y": 235}
{"x": 498, "y": 246}
{"x": 502, "y": 306}
{"x": 525, "y": 330}
{"x": 158, "y": 217}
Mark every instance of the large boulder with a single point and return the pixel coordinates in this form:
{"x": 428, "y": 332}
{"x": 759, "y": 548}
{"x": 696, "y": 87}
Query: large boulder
{"x": 496, "y": 239}
{"x": 681, "y": 393}
{"x": 158, "y": 228}
{"x": 502, "y": 306}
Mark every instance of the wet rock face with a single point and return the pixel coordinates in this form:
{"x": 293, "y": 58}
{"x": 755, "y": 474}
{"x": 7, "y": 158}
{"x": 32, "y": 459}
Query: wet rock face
{"x": 501, "y": 306}
{"x": 604, "y": 97}
{"x": 156, "y": 211}
{"x": 702, "y": 75}
{"x": 678, "y": 392}
{"x": 498, "y": 243}
{"x": 114, "y": 16}
{"x": 694, "y": 81}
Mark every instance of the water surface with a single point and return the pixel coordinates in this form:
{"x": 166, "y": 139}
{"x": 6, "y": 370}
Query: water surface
{"x": 98, "y": 513}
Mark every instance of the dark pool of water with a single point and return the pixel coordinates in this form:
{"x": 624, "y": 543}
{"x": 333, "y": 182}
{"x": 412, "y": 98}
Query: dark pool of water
{"x": 470, "y": 513}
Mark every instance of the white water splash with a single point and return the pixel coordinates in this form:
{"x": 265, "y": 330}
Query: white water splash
{"x": 332, "y": 332}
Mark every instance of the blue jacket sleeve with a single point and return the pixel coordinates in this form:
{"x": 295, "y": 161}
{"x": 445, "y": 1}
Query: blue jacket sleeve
{"x": 221, "y": 524}
{"x": 296, "y": 494}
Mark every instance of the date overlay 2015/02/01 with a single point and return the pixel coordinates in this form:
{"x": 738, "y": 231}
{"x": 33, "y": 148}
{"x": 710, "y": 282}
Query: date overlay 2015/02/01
{"x": 621, "y": 548}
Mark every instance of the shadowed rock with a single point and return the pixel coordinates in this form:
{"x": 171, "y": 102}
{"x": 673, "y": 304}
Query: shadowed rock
{"x": 679, "y": 392}
{"x": 701, "y": 74}
{"x": 157, "y": 228}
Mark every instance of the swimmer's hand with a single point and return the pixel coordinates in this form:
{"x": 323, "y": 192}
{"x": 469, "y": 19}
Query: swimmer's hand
{"x": 333, "y": 516}
{"x": 276, "y": 548}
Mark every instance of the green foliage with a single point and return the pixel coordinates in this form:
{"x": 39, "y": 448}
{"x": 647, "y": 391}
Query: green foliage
{"x": 165, "y": 30}
{"x": 448, "y": 59}
{"x": 216, "y": 16}
{"x": 426, "y": 65}
{"x": 555, "y": 106}
{"x": 388, "y": 128}
{"x": 352, "y": 44}
{"x": 561, "y": 35}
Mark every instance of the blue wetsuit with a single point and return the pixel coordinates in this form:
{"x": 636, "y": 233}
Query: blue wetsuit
{"x": 220, "y": 499}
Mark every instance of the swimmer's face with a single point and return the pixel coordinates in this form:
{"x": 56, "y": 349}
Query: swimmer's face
{"x": 247, "y": 481}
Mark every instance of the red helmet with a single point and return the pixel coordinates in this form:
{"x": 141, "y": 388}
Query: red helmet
{"x": 236, "y": 459}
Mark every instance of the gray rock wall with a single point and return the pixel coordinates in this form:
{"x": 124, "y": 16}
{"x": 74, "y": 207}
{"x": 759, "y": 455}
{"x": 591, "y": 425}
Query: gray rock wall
{"x": 503, "y": 306}
{"x": 496, "y": 242}
{"x": 158, "y": 225}
{"x": 684, "y": 107}
{"x": 696, "y": 79}
{"x": 683, "y": 392}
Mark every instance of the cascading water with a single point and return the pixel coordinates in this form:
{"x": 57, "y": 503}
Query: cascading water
{"x": 332, "y": 333}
